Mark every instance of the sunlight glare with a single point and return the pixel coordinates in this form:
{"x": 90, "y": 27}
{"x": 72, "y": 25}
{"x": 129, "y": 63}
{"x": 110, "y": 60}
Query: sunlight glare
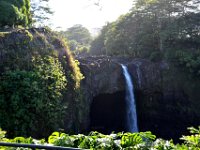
{"x": 89, "y": 13}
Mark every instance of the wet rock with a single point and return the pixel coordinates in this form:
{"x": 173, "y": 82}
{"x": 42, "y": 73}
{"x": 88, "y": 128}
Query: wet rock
{"x": 163, "y": 105}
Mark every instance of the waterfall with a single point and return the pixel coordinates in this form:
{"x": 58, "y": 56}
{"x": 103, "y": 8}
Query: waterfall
{"x": 131, "y": 114}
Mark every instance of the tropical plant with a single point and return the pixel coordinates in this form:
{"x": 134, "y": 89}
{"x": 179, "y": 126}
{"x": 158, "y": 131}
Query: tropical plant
{"x": 192, "y": 141}
{"x": 119, "y": 141}
{"x": 32, "y": 100}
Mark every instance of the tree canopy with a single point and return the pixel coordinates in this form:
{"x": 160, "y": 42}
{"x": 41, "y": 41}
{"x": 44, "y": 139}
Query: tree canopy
{"x": 79, "y": 34}
{"x": 157, "y": 30}
{"x": 153, "y": 28}
{"x": 15, "y": 12}
{"x": 24, "y": 12}
{"x": 40, "y": 11}
{"x": 79, "y": 38}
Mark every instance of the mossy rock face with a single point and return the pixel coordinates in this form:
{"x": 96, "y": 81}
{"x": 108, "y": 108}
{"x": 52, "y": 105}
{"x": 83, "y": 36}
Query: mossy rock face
{"x": 18, "y": 48}
{"x": 167, "y": 97}
{"x": 22, "y": 45}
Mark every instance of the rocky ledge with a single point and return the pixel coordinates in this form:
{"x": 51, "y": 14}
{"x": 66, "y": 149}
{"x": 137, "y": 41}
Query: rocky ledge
{"x": 164, "y": 105}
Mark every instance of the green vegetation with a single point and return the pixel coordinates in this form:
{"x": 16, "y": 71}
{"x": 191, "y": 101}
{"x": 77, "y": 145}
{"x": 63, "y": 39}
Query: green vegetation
{"x": 39, "y": 85}
{"x": 189, "y": 61}
{"x": 24, "y": 12}
{"x": 40, "y": 80}
{"x": 13, "y": 13}
{"x": 155, "y": 30}
{"x": 40, "y": 12}
{"x": 31, "y": 100}
{"x": 119, "y": 141}
{"x": 79, "y": 39}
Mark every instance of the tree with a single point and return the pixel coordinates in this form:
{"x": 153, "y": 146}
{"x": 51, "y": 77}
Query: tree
{"x": 152, "y": 29}
{"x": 79, "y": 38}
{"x": 40, "y": 11}
{"x": 164, "y": 11}
{"x": 98, "y": 44}
{"x": 79, "y": 34}
{"x": 13, "y": 12}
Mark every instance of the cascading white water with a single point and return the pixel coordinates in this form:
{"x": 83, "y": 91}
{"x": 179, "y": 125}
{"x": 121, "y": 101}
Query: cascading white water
{"x": 130, "y": 102}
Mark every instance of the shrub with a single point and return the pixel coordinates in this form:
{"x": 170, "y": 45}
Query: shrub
{"x": 32, "y": 100}
{"x": 119, "y": 141}
{"x": 190, "y": 62}
{"x": 52, "y": 58}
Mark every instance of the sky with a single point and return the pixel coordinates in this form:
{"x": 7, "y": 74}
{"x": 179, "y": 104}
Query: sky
{"x": 70, "y": 12}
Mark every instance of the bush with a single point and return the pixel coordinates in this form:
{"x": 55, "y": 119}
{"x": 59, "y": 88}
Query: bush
{"x": 83, "y": 50}
{"x": 119, "y": 141}
{"x": 190, "y": 62}
{"x": 31, "y": 101}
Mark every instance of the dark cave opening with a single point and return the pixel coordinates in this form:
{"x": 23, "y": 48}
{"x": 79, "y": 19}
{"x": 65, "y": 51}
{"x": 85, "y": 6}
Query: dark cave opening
{"x": 107, "y": 113}
{"x": 156, "y": 112}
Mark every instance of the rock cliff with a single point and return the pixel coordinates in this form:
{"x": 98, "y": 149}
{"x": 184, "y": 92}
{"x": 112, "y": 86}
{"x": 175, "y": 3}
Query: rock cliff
{"x": 165, "y": 106}
{"x": 167, "y": 98}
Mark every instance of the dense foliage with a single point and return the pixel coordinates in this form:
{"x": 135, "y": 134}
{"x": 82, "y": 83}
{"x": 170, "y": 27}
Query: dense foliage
{"x": 31, "y": 100}
{"x": 155, "y": 30}
{"x": 13, "y": 12}
{"x": 79, "y": 39}
{"x": 119, "y": 141}
{"x": 40, "y": 84}
{"x": 24, "y": 12}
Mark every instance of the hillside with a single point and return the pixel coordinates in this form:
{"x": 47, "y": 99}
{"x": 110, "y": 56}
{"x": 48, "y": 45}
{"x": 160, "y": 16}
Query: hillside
{"x": 40, "y": 83}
